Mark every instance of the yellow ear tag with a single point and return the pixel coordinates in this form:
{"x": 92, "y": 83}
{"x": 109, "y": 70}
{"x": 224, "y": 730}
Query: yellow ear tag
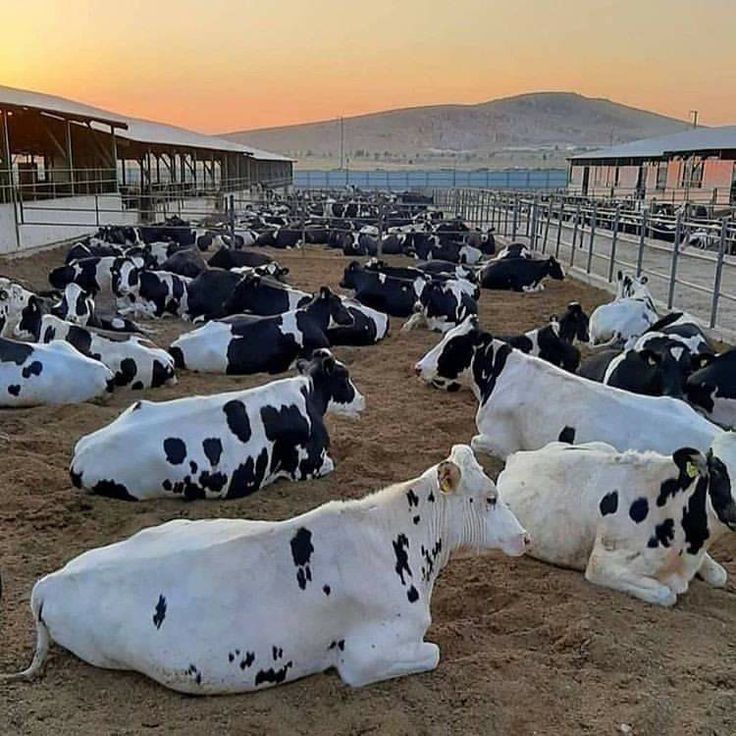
{"x": 445, "y": 485}
{"x": 691, "y": 470}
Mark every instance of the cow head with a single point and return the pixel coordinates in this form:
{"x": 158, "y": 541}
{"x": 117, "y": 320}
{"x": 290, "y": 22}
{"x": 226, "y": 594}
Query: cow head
{"x": 449, "y": 362}
{"x": 126, "y": 275}
{"x": 332, "y": 384}
{"x": 574, "y": 324}
{"x": 348, "y": 277}
{"x": 555, "y": 269}
{"x": 631, "y": 287}
{"x": 478, "y": 517}
{"x": 28, "y": 325}
{"x": 664, "y": 376}
{"x": 327, "y": 305}
{"x": 76, "y": 305}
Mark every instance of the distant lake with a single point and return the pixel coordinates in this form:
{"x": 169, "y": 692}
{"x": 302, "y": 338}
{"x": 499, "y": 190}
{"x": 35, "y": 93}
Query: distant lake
{"x": 430, "y": 178}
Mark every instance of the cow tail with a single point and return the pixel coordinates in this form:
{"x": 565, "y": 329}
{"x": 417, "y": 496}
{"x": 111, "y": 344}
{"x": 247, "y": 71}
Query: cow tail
{"x": 43, "y": 642}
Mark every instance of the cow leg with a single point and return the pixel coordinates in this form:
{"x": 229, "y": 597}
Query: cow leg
{"x": 713, "y": 573}
{"x": 363, "y": 665}
{"x": 611, "y": 570}
{"x": 416, "y": 320}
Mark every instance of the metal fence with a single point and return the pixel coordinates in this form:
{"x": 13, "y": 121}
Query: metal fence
{"x": 595, "y": 241}
{"x": 522, "y": 179}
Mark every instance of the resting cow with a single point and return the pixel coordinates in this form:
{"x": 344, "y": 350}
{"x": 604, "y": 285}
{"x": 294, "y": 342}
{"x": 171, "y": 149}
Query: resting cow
{"x": 641, "y": 523}
{"x": 32, "y": 375}
{"x": 264, "y": 296}
{"x": 368, "y": 327}
{"x": 520, "y": 274}
{"x": 244, "y": 344}
{"x": 228, "y": 258}
{"x": 220, "y": 446}
{"x": 441, "y": 306}
{"x": 525, "y": 402}
{"x": 393, "y": 296}
{"x": 347, "y": 585}
{"x": 135, "y": 362}
{"x": 153, "y": 294}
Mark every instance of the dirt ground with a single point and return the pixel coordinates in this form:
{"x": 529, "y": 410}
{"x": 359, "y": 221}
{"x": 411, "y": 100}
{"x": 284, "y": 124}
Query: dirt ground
{"x": 525, "y": 648}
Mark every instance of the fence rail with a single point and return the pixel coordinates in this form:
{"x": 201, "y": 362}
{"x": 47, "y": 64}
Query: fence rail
{"x": 596, "y": 241}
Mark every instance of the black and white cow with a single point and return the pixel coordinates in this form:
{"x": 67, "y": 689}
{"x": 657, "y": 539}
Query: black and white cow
{"x": 441, "y": 306}
{"x": 393, "y": 296}
{"x": 95, "y": 275}
{"x": 135, "y": 362}
{"x": 640, "y": 371}
{"x": 280, "y": 237}
{"x": 454, "y": 272}
{"x": 92, "y": 249}
{"x": 33, "y": 375}
{"x": 14, "y": 299}
{"x": 368, "y": 327}
{"x": 153, "y": 294}
{"x": 514, "y": 250}
{"x": 629, "y": 315}
{"x": 712, "y": 389}
{"x": 78, "y": 307}
{"x": 678, "y": 333}
{"x": 220, "y": 446}
{"x": 228, "y": 258}
{"x": 449, "y": 270}
{"x": 520, "y": 274}
{"x": 525, "y": 402}
{"x": 347, "y": 585}
{"x": 641, "y": 523}
{"x": 245, "y": 344}
{"x": 264, "y": 296}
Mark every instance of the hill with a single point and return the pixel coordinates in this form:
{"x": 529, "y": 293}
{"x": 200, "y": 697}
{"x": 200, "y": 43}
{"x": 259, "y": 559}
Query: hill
{"x": 546, "y": 125}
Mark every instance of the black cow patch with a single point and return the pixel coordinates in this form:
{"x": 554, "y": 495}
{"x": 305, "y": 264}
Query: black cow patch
{"x": 111, "y": 489}
{"x": 412, "y": 498}
{"x": 272, "y": 676}
{"x": 664, "y": 533}
{"x": 212, "y": 481}
{"x": 14, "y": 352}
{"x": 248, "y": 476}
{"x": 32, "y": 369}
{"x": 401, "y": 545}
{"x": 127, "y": 372}
{"x": 609, "y": 503}
{"x": 430, "y": 557}
{"x": 430, "y": 498}
{"x": 160, "y": 612}
{"x": 639, "y": 510}
{"x": 567, "y": 435}
{"x": 137, "y": 386}
{"x": 326, "y": 589}
{"x": 237, "y": 419}
{"x": 212, "y": 447}
{"x": 250, "y": 657}
{"x": 195, "y": 673}
{"x": 415, "y": 519}
{"x": 301, "y": 552}
{"x": 339, "y": 644}
{"x": 14, "y": 389}
{"x": 175, "y": 449}
{"x": 412, "y": 594}
{"x": 276, "y": 653}
{"x": 695, "y": 519}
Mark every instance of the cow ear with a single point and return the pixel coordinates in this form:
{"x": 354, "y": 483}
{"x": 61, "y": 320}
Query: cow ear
{"x": 324, "y": 292}
{"x": 691, "y": 462}
{"x": 644, "y": 280}
{"x": 448, "y": 476}
{"x": 650, "y": 357}
{"x": 554, "y": 318}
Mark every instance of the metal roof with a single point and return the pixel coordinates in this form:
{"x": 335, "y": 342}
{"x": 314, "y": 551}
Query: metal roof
{"x": 697, "y": 139}
{"x": 133, "y": 129}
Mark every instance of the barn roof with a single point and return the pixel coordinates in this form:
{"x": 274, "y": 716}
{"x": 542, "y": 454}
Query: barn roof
{"x": 688, "y": 141}
{"x": 134, "y": 129}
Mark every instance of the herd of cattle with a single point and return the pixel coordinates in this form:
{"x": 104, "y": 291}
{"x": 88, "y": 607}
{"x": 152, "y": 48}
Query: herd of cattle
{"x": 618, "y": 464}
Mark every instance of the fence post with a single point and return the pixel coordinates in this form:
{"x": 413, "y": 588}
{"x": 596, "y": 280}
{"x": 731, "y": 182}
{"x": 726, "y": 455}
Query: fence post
{"x": 575, "y": 234}
{"x": 548, "y": 211}
{"x": 642, "y": 238}
{"x": 381, "y": 213}
{"x": 531, "y": 224}
{"x": 718, "y": 273}
{"x": 675, "y": 254}
{"x": 560, "y": 218}
{"x": 614, "y": 242}
{"x": 593, "y": 218}
{"x": 97, "y": 212}
{"x": 231, "y": 199}
{"x": 515, "y": 216}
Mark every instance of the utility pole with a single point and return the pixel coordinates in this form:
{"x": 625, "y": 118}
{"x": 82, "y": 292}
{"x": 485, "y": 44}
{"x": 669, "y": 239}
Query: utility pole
{"x": 694, "y": 113}
{"x": 342, "y": 142}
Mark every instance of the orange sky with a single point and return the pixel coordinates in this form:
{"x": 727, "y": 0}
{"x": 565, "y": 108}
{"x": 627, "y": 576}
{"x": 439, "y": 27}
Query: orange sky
{"x": 220, "y": 65}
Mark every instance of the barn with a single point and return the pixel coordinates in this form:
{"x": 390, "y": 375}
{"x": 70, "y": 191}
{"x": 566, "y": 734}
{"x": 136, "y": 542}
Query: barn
{"x": 67, "y": 168}
{"x": 697, "y": 165}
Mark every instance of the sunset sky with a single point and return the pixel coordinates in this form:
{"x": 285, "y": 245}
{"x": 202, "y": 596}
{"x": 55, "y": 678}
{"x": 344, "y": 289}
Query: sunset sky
{"x": 223, "y": 65}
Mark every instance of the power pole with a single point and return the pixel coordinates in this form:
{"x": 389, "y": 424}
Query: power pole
{"x": 694, "y": 113}
{"x": 342, "y": 142}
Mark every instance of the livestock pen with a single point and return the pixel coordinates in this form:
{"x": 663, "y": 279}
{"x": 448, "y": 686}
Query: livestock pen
{"x": 525, "y": 647}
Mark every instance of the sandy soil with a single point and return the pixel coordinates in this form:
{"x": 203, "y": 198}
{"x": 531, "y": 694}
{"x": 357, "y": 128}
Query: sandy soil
{"x": 526, "y": 648}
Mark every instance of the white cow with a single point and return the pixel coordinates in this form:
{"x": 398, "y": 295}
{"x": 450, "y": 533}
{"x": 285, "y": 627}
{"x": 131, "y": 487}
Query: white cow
{"x": 526, "y": 402}
{"x": 231, "y": 605}
{"x": 31, "y": 375}
{"x": 641, "y": 523}
{"x": 14, "y": 298}
{"x": 629, "y": 315}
